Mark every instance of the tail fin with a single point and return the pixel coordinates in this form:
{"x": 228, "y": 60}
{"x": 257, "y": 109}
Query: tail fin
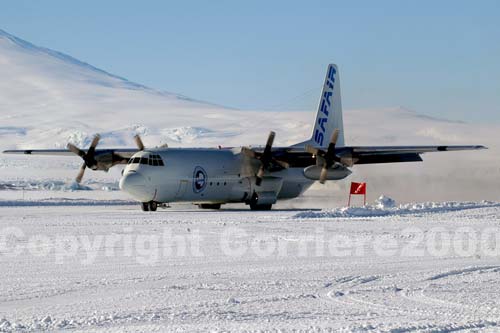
{"x": 329, "y": 116}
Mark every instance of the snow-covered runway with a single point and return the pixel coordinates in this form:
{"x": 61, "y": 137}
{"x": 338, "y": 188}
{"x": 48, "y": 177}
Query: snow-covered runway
{"x": 118, "y": 269}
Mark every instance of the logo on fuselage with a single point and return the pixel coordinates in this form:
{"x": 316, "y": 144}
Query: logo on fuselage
{"x": 199, "y": 179}
{"x": 325, "y": 106}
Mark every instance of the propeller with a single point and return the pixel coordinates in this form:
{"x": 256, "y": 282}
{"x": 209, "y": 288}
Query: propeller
{"x": 138, "y": 142}
{"x": 266, "y": 158}
{"x": 89, "y": 160}
{"x": 327, "y": 158}
{"x": 88, "y": 157}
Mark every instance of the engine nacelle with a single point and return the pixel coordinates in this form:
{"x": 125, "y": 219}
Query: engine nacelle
{"x": 336, "y": 172}
{"x": 104, "y": 161}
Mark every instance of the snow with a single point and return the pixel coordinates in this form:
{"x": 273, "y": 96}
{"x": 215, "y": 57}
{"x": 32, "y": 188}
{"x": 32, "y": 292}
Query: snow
{"x": 384, "y": 202}
{"x": 385, "y": 206}
{"x": 65, "y": 202}
{"x": 272, "y": 285}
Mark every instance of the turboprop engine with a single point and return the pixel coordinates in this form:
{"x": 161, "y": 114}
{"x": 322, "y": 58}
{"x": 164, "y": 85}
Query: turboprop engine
{"x": 98, "y": 161}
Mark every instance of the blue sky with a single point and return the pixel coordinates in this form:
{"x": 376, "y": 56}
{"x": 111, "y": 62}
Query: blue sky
{"x": 440, "y": 58}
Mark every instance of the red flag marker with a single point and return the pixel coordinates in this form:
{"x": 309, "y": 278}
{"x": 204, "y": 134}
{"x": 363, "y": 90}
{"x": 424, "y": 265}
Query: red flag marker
{"x": 357, "y": 189}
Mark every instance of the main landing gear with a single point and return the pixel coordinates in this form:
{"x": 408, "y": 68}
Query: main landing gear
{"x": 152, "y": 206}
{"x": 210, "y": 206}
{"x": 149, "y": 206}
{"x": 254, "y": 206}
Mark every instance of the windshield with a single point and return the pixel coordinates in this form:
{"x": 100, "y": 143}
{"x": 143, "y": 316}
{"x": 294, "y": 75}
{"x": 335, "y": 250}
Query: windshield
{"x": 153, "y": 160}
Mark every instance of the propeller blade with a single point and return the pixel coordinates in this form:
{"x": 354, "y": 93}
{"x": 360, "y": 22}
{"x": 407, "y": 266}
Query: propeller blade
{"x": 282, "y": 164}
{"x": 269, "y": 143}
{"x": 248, "y": 152}
{"x": 335, "y": 136}
{"x": 330, "y": 153}
{"x": 320, "y": 161}
{"x": 311, "y": 150}
{"x": 138, "y": 142}
{"x": 93, "y": 145}
{"x": 95, "y": 141}
{"x": 323, "y": 175}
{"x": 79, "y": 176}
{"x": 259, "y": 175}
{"x": 265, "y": 158}
{"x": 348, "y": 161}
{"x": 75, "y": 150}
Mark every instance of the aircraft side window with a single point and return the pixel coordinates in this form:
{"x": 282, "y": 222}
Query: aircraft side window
{"x": 150, "y": 161}
{"x": 144, "y": 160}
{"x": 136, "y": 160}
{"x": 155, "y": 162}
{"x": 160, "y": 163}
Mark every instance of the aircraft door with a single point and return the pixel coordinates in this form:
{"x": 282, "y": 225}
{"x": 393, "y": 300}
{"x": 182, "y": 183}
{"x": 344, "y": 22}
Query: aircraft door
{"x": 181, "y": 191}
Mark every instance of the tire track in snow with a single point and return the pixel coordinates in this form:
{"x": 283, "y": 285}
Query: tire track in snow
{"x": 453, "y": 309}
{"x": 339, "y": 295}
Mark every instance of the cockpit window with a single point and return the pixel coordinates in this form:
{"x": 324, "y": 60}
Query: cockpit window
{"x": 153, "y": 160}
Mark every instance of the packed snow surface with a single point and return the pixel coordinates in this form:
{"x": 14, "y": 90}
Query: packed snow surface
{"x": 117, "y": 269}
{"x": 385, "y": 206}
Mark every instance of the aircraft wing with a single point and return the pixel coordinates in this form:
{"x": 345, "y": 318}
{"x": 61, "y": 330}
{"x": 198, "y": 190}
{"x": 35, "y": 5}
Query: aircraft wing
{"x": 394, "y": 154}
{"x": 125, "y": 153}
{"x": 409, "y": 149}
{"x": 300, "y": 157}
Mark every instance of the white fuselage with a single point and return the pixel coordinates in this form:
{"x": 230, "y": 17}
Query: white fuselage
{"x": 206, "y": 176}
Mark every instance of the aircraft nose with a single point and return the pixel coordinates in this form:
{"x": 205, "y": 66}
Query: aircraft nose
{"x": 136, "y": 185}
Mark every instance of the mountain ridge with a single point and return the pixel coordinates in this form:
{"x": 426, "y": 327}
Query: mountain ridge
{"x": 128, "y": 84}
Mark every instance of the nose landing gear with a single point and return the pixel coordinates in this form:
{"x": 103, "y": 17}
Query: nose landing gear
{"x": 149, "y": 206}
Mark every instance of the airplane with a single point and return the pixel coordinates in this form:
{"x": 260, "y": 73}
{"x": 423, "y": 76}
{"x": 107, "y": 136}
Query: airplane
{"x": 258, "y": 177}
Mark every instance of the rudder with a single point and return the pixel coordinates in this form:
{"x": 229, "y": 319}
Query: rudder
{"x": 329, "y": 116}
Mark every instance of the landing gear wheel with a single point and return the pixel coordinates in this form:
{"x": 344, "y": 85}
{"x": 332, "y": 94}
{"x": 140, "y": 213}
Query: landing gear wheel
{"x": 261, "y": 207}
{"x": 209, "y": 206}
{"x": 145, "y": 206}
{"x": 153, "y": 206}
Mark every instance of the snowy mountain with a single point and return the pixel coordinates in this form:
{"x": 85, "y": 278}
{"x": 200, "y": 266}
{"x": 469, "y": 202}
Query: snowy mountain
{"x": 48, "y": 98}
